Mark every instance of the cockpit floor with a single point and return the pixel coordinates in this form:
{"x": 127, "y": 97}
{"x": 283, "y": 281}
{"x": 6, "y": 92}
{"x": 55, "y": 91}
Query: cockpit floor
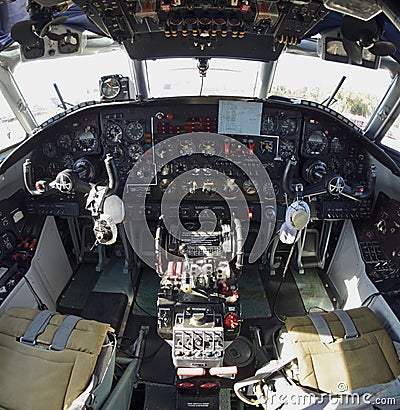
{"x": 74, "y": 297}
{"x": 157, "y": 364}
{"x": 312, "y": 290}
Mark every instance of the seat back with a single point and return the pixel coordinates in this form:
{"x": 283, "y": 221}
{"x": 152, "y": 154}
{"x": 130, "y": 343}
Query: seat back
{"x": 340, "y": 351}
{"x": 56, "y": 367}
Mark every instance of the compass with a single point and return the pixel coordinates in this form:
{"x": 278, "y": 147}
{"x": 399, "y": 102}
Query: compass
{"x": 110, "y": 87}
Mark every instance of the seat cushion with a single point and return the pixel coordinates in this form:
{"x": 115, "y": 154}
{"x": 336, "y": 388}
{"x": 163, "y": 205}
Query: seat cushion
{"x": 33, "y": 377}
{"x": 345, "y": 364}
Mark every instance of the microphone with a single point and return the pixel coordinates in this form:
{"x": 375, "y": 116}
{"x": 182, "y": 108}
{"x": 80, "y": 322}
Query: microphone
{"x": 296, "y": 218}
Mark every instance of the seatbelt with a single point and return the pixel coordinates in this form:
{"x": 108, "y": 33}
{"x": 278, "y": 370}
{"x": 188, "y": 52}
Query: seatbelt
{"x": 36, "y": 327}
{"x": 348, "y": 324}
{"x": 322, "y": 327}
{"x": 63, "y": 333}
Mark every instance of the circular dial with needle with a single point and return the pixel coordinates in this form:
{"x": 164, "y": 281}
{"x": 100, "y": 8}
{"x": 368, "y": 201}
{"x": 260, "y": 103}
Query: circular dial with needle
{"x": 110, "y": 88}
{"x": 289, "y": 126}
{"x": 114, "y": 133}
{"x": 86, "y": 140}
{"x": 134, "y": 131}
{"x": 135, "y": 151}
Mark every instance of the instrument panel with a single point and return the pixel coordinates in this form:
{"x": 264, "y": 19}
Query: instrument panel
{"x": 320, "y": 144}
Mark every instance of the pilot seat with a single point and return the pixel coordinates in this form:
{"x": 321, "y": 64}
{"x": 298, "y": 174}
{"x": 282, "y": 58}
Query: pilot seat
{"x": 339, "y": 359}
{"x": 52, "y": 361}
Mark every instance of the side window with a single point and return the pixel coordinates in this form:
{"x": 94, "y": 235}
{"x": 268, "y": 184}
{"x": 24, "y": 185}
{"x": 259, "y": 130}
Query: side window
{"x": 11, "y": 131}
{"x": 77, "y": 79}
{"x": 392, "y": 137}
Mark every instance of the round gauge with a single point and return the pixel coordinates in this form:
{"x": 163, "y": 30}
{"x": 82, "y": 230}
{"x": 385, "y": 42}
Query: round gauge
{"x": 64, "y": 141}
{"x": 336, "y": 145}
{"x": 67, "y": 161}
{"x": 114, "y": 133}
{"x": 186, "y": 147}
{"x": 117, "y": 153}
{"x": 208, "y": 147}
{"x": 135, "y": 151}
{"x": 164, "y": 183}
{"x": 49, "y": 150}
{"x": 163, "y": 149}
{"x": 267, "y": 146}
{"x": 269, "y": 125}
{"x": 180, "y": 167}
{"x": 134, "y": 131}
{"x": 52, "y": 169}
{"x": 236, "y": 148}
{"x": 289, "y": 126}
{"x": 270, "y": 213}
{"x": 230, "y": 188}
{"x": 315, "y": 143}
{"x": 334, "y": 165}
{"x": 249, "y": 188}
{"x": 286, "y": 149}
{"x": 110, "y": 88}
{"x": 145, "y": 171}
{"x": 86, "y": 139}
{"x": 269, "y": 191}
{"x": 348, "y": 167}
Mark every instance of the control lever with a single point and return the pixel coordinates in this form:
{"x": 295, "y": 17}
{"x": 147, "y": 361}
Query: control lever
{"x": 158, "y": 248}
{"x": 262, "y": 355}
{"x": 239, "y": 244}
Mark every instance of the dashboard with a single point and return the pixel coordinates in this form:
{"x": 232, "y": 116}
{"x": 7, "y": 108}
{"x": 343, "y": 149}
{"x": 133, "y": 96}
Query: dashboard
{"x": 230, "y": 135}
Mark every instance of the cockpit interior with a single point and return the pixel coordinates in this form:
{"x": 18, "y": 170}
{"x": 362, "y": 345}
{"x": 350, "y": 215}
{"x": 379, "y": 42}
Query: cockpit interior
{"x": 196, "y": 210}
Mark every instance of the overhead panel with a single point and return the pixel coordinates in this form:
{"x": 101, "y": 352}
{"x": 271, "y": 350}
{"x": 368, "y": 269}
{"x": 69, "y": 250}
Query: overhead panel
{"x": 249, "y": 29}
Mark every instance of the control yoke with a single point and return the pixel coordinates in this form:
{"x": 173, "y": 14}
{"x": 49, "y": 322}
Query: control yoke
{"x": 71, "y": 180}
{"x": 329, "y": 183}
{"x": 106, "y": 208}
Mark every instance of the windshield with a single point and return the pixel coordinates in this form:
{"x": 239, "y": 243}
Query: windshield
{"x": 77, "y": 79}
{"x": 315, "y": 79}
{"x": 295, "y": 75}
{"x": 181, "y": 77}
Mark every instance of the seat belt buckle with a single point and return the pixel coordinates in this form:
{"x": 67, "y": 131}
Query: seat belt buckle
{"x": 351, "y": 337}
{"x": 27, "y": 342}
